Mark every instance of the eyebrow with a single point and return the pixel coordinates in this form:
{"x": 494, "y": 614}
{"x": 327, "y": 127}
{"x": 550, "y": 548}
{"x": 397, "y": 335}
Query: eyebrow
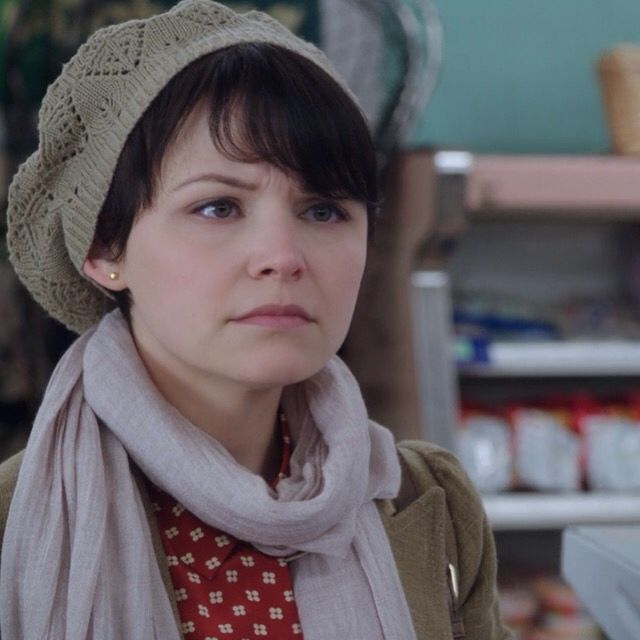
{"x": 217, "y": 177}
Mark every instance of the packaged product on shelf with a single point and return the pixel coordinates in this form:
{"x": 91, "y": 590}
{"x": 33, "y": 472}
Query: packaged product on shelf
{"x": 561, "y": 442}
{"x": 561, "y": 616}
{"x": 544, "y": 607}
{"x": 597, "y": 319}
{"x": 519, "y": 607}
{"x": 484, "y": 450}
{"x": 547, "y": 453}
{"x": 612, "y": 452}
{"x": 471, "y": 349}
{"x": 502, "y": 317}
{"x": 578, "y": 628}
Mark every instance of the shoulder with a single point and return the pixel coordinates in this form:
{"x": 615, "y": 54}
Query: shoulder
{"x": 8, "y": 477}
{"x": 430, "y": 465}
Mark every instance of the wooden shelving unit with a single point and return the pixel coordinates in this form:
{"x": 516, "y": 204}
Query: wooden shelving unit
{"x": 472, "y": 187}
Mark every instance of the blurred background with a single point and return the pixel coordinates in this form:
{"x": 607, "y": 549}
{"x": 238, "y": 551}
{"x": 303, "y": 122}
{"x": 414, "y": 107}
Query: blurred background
{"x": 500, "y": 313}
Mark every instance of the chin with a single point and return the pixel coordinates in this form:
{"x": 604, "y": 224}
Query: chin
{"x": 287, "y": 369}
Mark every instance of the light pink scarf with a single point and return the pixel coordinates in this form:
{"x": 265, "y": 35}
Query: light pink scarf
{"x": 78, "y": 561}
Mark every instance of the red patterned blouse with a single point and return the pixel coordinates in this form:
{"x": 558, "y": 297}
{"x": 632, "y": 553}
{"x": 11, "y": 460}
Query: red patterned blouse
{"x": 225, "y": 588}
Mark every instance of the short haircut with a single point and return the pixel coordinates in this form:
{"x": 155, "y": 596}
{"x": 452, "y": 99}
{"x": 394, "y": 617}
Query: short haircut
{"x": 266, "y": 103}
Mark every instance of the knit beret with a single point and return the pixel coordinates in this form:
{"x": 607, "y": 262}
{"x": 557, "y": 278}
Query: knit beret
{"x": 84, "y": 121}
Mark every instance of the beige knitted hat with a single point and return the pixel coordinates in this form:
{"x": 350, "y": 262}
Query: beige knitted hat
{"x": 85, "y": 118}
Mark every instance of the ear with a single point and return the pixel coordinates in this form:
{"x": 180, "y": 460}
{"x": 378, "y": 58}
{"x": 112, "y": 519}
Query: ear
{"x": 99, "y": 268}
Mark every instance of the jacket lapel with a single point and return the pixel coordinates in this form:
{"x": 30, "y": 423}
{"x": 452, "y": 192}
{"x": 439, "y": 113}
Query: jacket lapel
{"x": 417, "y": 539}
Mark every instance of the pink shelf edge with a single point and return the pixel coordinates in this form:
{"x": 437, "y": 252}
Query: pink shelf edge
{"x": 553, "y": 182}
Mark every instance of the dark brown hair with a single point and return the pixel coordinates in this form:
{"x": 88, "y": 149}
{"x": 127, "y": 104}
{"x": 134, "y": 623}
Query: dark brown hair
{"x": 266, "y": 103}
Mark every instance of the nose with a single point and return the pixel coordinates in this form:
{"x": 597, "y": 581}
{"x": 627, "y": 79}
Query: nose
{"x": 278, "y": 253}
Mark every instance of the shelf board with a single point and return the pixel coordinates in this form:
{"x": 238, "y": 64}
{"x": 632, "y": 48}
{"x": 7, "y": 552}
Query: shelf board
{"x": 531, "y": 511}
{"x": 559, "y": 359}
{"x": 606, "y": 185}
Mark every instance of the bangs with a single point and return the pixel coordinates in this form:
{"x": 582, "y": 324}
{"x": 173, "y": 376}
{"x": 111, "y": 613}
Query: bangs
{"x": 269, "y": 104}
{"x": 299, "y": 120}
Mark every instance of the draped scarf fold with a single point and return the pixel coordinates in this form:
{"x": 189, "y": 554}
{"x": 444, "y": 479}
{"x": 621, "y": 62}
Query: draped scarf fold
{"x": 77, "y": 558}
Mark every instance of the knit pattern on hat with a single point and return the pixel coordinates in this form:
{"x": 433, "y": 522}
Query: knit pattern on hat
{"x": 84, "y": 121}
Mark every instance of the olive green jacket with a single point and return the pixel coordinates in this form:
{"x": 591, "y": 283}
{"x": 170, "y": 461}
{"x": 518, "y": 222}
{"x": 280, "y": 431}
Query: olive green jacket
{"x": 437, "y": 519}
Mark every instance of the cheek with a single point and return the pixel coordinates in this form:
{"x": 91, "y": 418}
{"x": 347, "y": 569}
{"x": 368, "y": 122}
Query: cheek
{"x": 167, "y": 277}
{"x": 344, "y": 275}
{"x": 156, "y": 277}
{"x": 352, "y": 264}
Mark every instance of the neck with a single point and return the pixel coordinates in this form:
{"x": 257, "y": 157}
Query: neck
{"x": 244, "y": 421}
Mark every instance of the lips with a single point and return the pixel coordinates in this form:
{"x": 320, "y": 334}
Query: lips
{"x": 276, "y": 310}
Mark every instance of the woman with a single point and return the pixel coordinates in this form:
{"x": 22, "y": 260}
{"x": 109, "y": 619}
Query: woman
{"x": 209, "y": 174}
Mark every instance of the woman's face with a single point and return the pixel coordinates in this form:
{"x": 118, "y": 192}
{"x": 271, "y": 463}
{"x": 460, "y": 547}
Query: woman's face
{"x": 224, "y": 238}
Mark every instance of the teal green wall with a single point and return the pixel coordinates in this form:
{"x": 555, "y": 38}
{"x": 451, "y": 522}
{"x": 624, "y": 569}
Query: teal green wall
{"x": 518, "y": 75}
